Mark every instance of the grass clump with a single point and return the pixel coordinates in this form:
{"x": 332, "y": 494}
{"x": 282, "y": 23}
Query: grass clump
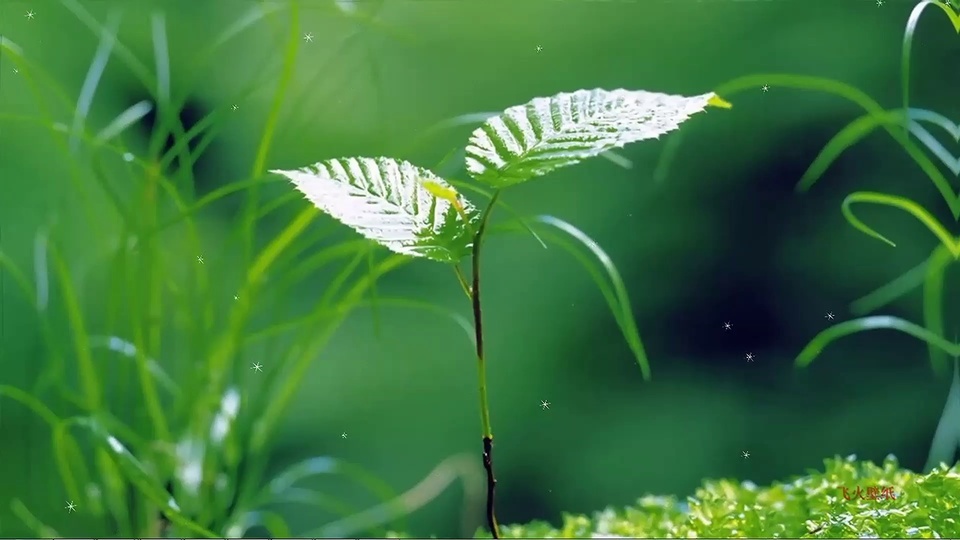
{"x": 810, "y": 506}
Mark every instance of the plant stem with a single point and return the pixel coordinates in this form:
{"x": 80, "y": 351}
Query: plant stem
{"x": 482, "y": 372}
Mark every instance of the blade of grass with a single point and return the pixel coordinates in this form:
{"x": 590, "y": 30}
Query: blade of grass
{"x": 97, "y": 66}
{"x": 323, "y": 466}
{"x": 130, "y": 116}
{"x": 22, "y": 513}
{"x": 307, "y": 353}
{"x": 139, "y": 476}
{"x": 876, "y": 322}
{"x": 891, "y": 291}
{"x": 862, "y": 100}
{"x": 946, "y": 438}
{"x": 902, "y": 203}
{"x": 460, "y": 467}
{"x": 89, "y": 378}
{"x": 933, "y": 297}
{"x": 611, "y": 286}
{"x": 907, "y": 48}
{"x": 266, "y": 139}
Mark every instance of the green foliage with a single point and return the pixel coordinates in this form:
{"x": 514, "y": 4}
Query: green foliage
{"x": 810, "y": 506}
{"x": 899, "y": 124}
{"x": 414, "y": 212}
{"x": 189, "y": 457}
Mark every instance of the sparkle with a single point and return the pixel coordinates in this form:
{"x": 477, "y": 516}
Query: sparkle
{"x": 30, "y": 15}
{"x": 343, "y": 435}
{"x": 727, "y": 325}
{"x": 71, "y": 507}
{"x": 539, "y": 48}
{"x": 749, "y": 357}
{"x": 829, "y": 316}
{"x": 236, "y": 297}
{"x": 308, "y": 37}
{"x": 745, "y": 454}
{"x": 200, "y": 259}
{"x": 257, "y": 367}
{"x": 765, "y": 88}
{"x": 544, "y": 404}
{"x": 235, "y": 107}
{"x": 15, "y": 70}
{"x": 879, "y": 3}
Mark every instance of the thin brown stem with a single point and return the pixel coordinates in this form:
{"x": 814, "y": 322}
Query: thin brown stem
{"x": 482, "y": 372}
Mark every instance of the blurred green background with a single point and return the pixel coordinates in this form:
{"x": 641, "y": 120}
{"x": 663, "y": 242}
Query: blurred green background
{"x": 721, "y": 236}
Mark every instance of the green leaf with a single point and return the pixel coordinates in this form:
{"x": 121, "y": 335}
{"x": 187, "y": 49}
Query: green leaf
{"x": 548, "y": 133}
{"x": 405, "y": 208}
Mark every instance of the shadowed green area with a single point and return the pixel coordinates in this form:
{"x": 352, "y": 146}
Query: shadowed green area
{"x": 149, "y": 261}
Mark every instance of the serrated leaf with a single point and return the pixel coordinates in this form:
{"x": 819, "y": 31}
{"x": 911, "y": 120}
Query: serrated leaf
{"x": 405, "y": 208}
{"x": 548, "y": 133}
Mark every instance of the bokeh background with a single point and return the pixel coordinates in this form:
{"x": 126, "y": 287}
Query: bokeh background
{"x": 716, "y": 235}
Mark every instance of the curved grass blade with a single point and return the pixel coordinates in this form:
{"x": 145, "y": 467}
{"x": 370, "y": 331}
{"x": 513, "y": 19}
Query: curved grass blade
{"x": 892, "y": 120}
{"x": 271, "y": 521}
{"x": 55, "y": 366}
{"x": 108, "y": 38}
{"x": 864, "y": 324}
{"x": 316, "y": 500}
{"x": 902, "y": 203}
{"x": 69, "y": 457}
{"x": 611, "y": 286}
{"x": 946, "y": 438}
{"x": 137, "y": 475}
{"x": 128, "y": 350}
{"x": 522, "y": 221}
{"x": 323, "y": 466}
{"x": 130, "y": 116}
{"x": 862, "y": 100}
{"x": 907, "y": 48}
{"x": 194, "y": 209}
{"x": 88, "y": 375}
{"x": 39, "y": 528}
{"x": 933, "y": 298}
{"x": 669, "y": 154}
{"x": 252, "y": 203}
{"x": 440, "y": 478}
{"x": 313, "y": 345}
{"x": 891, "y": 291}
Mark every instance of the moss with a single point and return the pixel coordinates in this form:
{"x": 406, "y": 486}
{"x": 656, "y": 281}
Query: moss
{"x": 811, "y": 506}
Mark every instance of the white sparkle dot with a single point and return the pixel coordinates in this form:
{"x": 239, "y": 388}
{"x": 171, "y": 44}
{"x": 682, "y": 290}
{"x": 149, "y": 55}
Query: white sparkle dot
{"x": 235, "y": 107}
{"x": 765, "y": 88}
{"x": 257, "y": 367}
{"x": 544, "y": 404}
{"x": 71, "y": 507}
{"x": 749, "y": 357}
{"x": 200, "y": 259}
{"x": 30, "y": 15}
{"x": 727, "y": 325}
{"x": 343, "y": 435}
{"x": 308, "y": 37}
{"x": 745, "y": 454}
{"x": 539, "y": 48}
{"x": 128, "y": 157}
{"x": 829, "y": 316}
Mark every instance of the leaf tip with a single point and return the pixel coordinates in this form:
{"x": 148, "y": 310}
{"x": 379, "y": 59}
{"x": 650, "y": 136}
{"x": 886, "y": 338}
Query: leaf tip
{"x": 719, "y": 102}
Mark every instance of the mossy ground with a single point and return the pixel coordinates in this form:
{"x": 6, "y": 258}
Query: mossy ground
{"x": 810, "y": 506}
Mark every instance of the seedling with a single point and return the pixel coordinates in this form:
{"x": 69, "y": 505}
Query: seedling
{"x": 414, "y": 212}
